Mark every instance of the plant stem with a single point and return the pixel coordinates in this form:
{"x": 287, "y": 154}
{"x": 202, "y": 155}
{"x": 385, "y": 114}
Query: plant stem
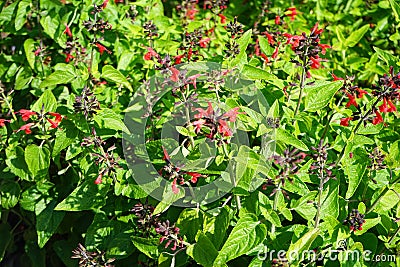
{"x": 302, "y": 81}
{"x": 275, "y": 205}
{"x": 187, "y": 114}
{"x": 320, "y": 189}
{"x": 394, "y": 235}
{"x": 231, "y": 174}
{"x": 9, "y": 105}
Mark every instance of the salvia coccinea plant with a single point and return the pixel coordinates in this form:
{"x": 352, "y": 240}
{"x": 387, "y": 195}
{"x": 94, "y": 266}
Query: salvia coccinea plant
{"x": 199, "y": 133}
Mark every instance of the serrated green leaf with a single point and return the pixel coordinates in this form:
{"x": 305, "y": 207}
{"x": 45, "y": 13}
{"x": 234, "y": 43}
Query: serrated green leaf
{"x": 46, "y": 100}
{"x": 58, "y": 77}
{"x": 108, "y": 119}
{"x": 22, "y": 13}
{"x": 319, "y": 95}
{"x": 148, "y": 246}
{"x": 203, "y": 252}
{"x": 16, "y": 162}
{"x": 47, "y": 223}
{"x": 285, "y": 137}
{"x": 29, "y": 48}
{"x": 190, "y": 221}
{"x": 356, "y": 36}
{"x": 354, "y": 173}
{"x": 64, "y": 137}
{"x": 302, "y": 244}
{"x": 111, "y": 74}
{"x": 9, "y": 194}
{"x": 246, "y": 235}
{"x": 37, "y": 159}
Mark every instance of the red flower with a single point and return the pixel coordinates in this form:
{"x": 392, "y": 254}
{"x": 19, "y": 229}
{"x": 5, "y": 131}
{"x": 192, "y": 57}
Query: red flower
{"x": 352, "y": 100}
{"x": 98, "y": 179}
{"x": 174, "y": 77}
{"x": 193, "y": 79}
{"x": 2, "y": 122}
{"x": 361, "y": 92}
{"x": 178, "y": 59}
{"x": 102, "y": 49}
{"x": 383, "y": 108}
{"x": 204, "y": 42}
{"x": 69, "y": 57}
{"x": 119, "y": 1}
{"x": 26, "y": 114}
{"x": 277, "y": 20}
{"x": 68, "y": 31}
{"x": 232, "y": 114}
{"x": 314, "y": 30}
{"x": 291, "y": 12}
{"x": 223, "y": 128}
{"x": 378, "y": 119}
{"x": 166, "y": 156}
{"x": 270, "y": 38}
{"x": 175, "y": 189}
{"x": 223, "y": 18}
{"x": 37, "y": 51}
{"x": 336, "y": 78}
{"x": 345, "y": 121}
{"x": 392, "y": 106}
{"x": 198, "y": 124}
{"x": 189, "y": 54}
{"x": 190, "y": 13}
{"x": 323, "y": 48}
{"x": 194, "y": 175}
{"x": 275, "y": 54}
{"x": 104, "y": 5}
{"x": 264, "y": 56}
{"x": 150, "y": 54}
{"x": 26, "y": 128}
{"x": 54, "y": 123}
{"x": 315, "y": 62}
{"x": 204, "y": 113}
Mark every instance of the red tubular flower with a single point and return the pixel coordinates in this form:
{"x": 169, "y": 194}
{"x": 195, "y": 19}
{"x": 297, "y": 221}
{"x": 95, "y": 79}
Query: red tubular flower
{"x": 3, "y": 121}
{"x": 68, "y": 31}
{"x": 291, "y": 12}
{"x": 315, "y": 62}
{"x": 174, "y": 77}
{"x": 194, "y": 175}
{"x": 223, "y": 18}
{"x": 104, "y": 5}
{"x": 190, "y": 53}
{"x": 26, "y": 114}
{"x": 190, "y": 13}
{"x": 204, "y": 113}
{"x": 361, "y": 92}
{"x": 54, "y": 123}
{"x": 224, "y": 129}
{"x": 102, "y": 49}
{"x": 198, "y": 124}
{"x": 193, "y": 79}
{"x": 378, "y": 119}
{"x": 392, "y": 106}
{"x": 352, "y": 100}
{"x": 175, "y": 189}
{"x": 323, "y": 48}
{"x": 336, "y": 78}
{"x": 264, "y": 56}
{"x": 345, "y": 121}
{"x": 150, "y": 54}
{"x": 275, "y": 54}
{"x": 178, "y": 59}
{"x": 204, "y": 42}
{"x": 232, "y": 114}
{"x": 314, "y": 30}
{"x": 384, "y": 108}
{"x": 270, "y": 38}
{"x": 26, "y": 128}
{"x": 99, "y": 179}
{"x": 69, "y": 57}
{"x": 37, "y": 51}
{"x": 277, "y": 20}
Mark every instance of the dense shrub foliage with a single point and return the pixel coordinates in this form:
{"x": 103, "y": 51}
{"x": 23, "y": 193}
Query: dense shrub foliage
{"x": 199, "y": 133}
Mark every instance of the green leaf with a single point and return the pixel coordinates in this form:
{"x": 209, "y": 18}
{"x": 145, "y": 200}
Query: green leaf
{"x": 87, "y": 196}
{"x": 185, "y": 132}
{"x": 396, "y": 9}
{"x": 29, "y": 48}
{"x": 16, "y": 162}
{"x": 285, "y": 137}
{"x": 386, "y": 56}
{"x": 108, "y": 119}
{"x": 7, "y": 14}
{"x": 37, "y": 159}
{"x": 254, "y": 73}
{"x": 302, "y": 244}
{"x": 243, "y": 42}
{"x": 23, "y": 78}
{"x": 330, "y": 200}
{"x": 65, "y": 137}
{"x": 148, "y": 246}
{"x": 111, "y": 74}
{"x": 369, "y": 223}
{"x": 59, "y": 77}
{"x": 46, "y": 100}
{"x": 190, "y": 221}
{"x": 215, "y": 227}
{"x": 9, "y": 194}
{"x": 6, "y": 237}
{"x": 356, "y": 36}
{"x": 354, "y": 173}
{"x": 169, "y": 198}
{"x": 47, "y": 223}
{"x": 319, "y": 95}
{"x": 22, "y": 11}
{"x": 203, "y": 252}
{"x": 248, "y": 233}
